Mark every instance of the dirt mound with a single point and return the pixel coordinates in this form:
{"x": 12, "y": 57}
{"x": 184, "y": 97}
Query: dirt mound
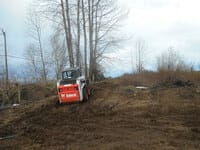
{"x": 115, "y": 117}
{"x": 31, "y": 92}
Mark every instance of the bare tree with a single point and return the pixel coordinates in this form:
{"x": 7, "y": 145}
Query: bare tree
{"x": 31, "y": 54}
{"x": 66, "y": 31}
{"x": 90, "y": 25}
{"x": 84, "y": 38}
{"x": 35, "y": 32}
{"x": 104, "y": 17}
{"x": 132, "y": 58}
{"x": 170, "y": 60}
{"x": 96, "y": 26}
{"x": 78, "y": 35}
{"x": 58, "y": 55}
{"x": 71, "y": 57}
{"x": 140, "y": 54}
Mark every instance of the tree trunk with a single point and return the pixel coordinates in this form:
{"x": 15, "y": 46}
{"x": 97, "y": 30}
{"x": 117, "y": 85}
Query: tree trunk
{"x": 42, "y": 57}
{"x": 71, "y": 57}
{"x": 96, "y": 41}
{"x": 85, "y": 39}
{"x": 90, "y": 16}
{"x": 78, "y": 35}
{"x": 66, "y": 31}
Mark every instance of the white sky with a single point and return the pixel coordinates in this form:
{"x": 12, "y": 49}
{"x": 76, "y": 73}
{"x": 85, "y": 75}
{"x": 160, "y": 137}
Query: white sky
{"x": 12, "y": 20}
{"x": 161, "y": 23}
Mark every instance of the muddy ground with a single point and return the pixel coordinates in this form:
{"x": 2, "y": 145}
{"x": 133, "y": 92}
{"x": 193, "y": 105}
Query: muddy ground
{"x": 115, "y": 117}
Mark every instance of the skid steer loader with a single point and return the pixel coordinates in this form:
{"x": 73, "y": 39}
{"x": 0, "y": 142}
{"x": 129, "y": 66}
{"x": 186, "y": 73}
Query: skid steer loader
{"x": 73, "y": 87}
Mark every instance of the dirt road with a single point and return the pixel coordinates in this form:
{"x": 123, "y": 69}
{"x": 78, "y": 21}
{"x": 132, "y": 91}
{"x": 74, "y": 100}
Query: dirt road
{"x": 115, "y": 117}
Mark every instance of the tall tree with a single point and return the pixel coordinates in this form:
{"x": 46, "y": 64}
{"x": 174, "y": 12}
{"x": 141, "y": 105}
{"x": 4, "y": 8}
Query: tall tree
{"x": 106, "y": 16}
{"x": 31, "y": 54}
{"x": 84, "y": 38}
{"x": 92, "y": 32}
{"x": 35, "y": 32}
{"x": 140, "y": 54}
{"x": 90, "y": 22}
{"x": 78, "y": 35}
{"x": 58, "y": 55}
{"x": 71, "y": 57}
{"x": 66, "y": 32}
{"x": 171, "y": 60}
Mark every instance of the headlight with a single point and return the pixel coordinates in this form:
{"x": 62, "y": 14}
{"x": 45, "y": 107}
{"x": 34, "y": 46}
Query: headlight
{"x": 58, "y": 83}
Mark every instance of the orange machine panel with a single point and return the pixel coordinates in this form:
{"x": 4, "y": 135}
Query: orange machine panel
{"x": 68, "y": 93}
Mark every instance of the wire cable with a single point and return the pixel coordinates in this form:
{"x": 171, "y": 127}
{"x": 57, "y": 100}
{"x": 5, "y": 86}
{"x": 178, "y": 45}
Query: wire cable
{"x": 16, "y": 57}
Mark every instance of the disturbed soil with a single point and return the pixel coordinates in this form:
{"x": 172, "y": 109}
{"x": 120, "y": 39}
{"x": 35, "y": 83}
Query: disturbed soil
{"x": 117, "y": 116}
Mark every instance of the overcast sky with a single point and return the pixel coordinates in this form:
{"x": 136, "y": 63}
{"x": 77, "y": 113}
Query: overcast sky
{"x": 161, "y": 23}
{"x": 12, "y": 20}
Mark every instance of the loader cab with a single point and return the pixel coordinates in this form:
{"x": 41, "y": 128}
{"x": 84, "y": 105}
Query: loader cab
{"x": 72, "y": 87}
{"x": 71, "y": 74}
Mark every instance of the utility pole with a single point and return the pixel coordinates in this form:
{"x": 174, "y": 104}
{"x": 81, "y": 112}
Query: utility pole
{"x": 6, "y": 61}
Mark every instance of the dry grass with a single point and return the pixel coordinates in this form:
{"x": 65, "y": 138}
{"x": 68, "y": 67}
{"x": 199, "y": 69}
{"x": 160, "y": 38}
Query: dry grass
{"x": 29, "y": 92}
{"x": 160, "y": 78}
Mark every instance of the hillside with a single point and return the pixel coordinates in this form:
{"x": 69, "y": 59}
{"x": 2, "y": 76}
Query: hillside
{"x": 117, "y": 116}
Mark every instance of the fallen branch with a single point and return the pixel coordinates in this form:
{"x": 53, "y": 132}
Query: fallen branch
{"x": 7, "y": 137}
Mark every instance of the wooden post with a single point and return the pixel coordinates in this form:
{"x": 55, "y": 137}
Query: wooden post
{"x": 19, "y": 92}
{"x": 6, "y": 60}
